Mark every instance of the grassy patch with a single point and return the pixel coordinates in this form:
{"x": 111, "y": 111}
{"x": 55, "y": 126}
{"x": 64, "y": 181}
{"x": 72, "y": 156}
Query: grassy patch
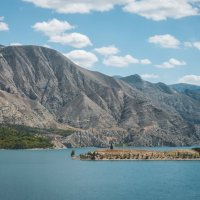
{"x": 22, "y": 138}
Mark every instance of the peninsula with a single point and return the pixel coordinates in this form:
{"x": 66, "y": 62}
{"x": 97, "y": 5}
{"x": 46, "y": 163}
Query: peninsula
{"x": 140, "y": 154}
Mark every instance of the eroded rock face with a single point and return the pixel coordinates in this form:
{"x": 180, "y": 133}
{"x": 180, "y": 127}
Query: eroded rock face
{"x": 42, "y": 88}
{"x": 91, "y": 137}
{"x": 17, "y": 110}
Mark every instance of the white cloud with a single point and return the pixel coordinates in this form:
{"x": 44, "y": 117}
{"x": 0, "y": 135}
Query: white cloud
{"x": 83, "y": 58}
{"x": 78, "y": 6}
{"x": 172, "y": 63}
{"x": 145, "y": 61}
{"x": 3, "y": 25}
{"x": 149, "y": 76}
{"x": 165, "y": 41}
{"x": 120, "y": 61}
{"x": 151, "y": 9}
{"x": 47, "y": 46}
{"x": 55, "y": 30}
{"x": 162, "y": 9}
{"x": 193, "y": 44}
{"x": 52, "y": 27}
{"x": 107, "y": 50}
{"x": 15, "y": 44}
{"x": 190, "y": 79}
{"x": 188, "y": 44}
{"x": 111, "y": 59}
{"x": 196, "y": 45}
{"x": 76, "y": 40}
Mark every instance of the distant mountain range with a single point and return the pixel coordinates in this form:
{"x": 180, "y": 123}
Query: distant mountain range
{"x": 39, "y": 87}
{"x": 192, "y": 91}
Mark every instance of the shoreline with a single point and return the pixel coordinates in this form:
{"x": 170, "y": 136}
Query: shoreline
{"x": 192, "y": 154}
{"x": 34, "y": 149}
{"x": 147, "y": 160}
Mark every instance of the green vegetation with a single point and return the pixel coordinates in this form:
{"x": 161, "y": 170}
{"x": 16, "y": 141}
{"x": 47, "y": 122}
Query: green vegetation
{"x": 88, "y": 156}
{"x": 196, "y": 149}
{"x": 111, "y": 146}
{"x": 20, "y": 137}
{"x": 83, "y": 157}
{"x": 35, "y": 130}
{"x": 73, "y": 153}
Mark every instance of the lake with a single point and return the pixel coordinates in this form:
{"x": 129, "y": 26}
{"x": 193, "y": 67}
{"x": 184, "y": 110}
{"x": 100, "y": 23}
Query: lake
{"x": 52, "y": 175}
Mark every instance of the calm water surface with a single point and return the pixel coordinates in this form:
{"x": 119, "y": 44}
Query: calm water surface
{"x": 52, "y": 175}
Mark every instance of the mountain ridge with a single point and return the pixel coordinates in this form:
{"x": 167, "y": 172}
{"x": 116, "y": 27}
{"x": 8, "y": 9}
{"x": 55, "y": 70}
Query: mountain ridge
{"x": 51, "y": 87}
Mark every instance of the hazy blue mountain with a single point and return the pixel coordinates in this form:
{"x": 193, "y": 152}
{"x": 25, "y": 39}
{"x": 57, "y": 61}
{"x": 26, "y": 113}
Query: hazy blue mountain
{"x": 181, "y": 87}
{"x": 192, "y": 91}
{"x": 117, "y": 77}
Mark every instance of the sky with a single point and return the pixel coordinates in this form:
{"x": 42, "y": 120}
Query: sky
{"x": 157, "y": 39}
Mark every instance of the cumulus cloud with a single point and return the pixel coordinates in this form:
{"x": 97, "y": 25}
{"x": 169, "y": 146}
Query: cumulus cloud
{"x": 162, "y": 9}
{"x": 188, "y": 44}
{"x": 78, "y": 6}
{"x": 172, "y": 63}
{"x": 165, "y": 41}
{"x": 15, "y": 44}
{"x": 120, "y": 61}
{"x": 193, "y": 44}
{"x": 55, "y": 30}
{"x": 47, "y": 46}
{"x": 151, "y": 9}
{"x": 52, "y": 27}
{"x": 190, "y": 79}
{"x": 3, "y": 25}
{"x": 107, "y": 50}
{"x": 196, "y": 45}
{"x": 77, "y": 40}
{"x": 83, "y": 58}
{"x": 149, "y": 76}
{"x": 111, "y": 59}
{"x": 145, "y": 61}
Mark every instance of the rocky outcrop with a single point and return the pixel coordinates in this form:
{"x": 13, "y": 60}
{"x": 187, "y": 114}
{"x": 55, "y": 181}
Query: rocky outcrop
{"x": 92, "y": 137}
{"x": 17, "y": 110}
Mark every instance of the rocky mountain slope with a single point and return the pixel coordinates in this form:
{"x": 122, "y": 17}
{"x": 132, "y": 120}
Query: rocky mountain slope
{"x": 167, "y": 97}
{"x": 40, "y": 87}
{"x": 192, "y": 91}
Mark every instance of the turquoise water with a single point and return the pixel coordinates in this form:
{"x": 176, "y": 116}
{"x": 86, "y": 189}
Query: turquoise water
{"x": 52, "y": 175}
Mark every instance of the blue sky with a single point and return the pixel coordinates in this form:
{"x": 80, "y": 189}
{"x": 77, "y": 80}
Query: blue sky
{"x": 157, "y": 39}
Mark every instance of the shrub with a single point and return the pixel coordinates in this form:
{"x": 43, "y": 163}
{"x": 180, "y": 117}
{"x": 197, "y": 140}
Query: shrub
{"x": 11, "y": 138}
{"x": 73, "y": 153}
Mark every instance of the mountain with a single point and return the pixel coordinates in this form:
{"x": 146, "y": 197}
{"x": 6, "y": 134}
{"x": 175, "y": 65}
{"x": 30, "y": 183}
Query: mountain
{"x": 181, "y": 87}
{"x": 192, "y": 91}
{"x": 167, "y": 98}
{"x": 39, "y": 87}
{"x": 117, "y": 77}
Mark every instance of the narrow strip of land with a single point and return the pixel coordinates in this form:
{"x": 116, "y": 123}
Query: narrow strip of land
{"x": 137, "y": 154}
